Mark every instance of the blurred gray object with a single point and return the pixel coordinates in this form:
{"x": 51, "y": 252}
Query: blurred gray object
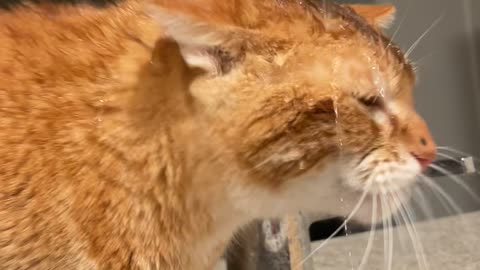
{"x": 276, "y": 244}
{"x": 252, "y": 250}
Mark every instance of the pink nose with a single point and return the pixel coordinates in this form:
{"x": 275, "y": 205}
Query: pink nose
{"x": 424, "y": 151}
{"x": 420, "y": 142}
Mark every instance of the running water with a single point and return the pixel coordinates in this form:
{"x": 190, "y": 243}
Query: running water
{"x": 340, "y": 146}
{"x": 339, "y": 137}
{"x": 378, "y": 80}
{"x": 337, "y": 125}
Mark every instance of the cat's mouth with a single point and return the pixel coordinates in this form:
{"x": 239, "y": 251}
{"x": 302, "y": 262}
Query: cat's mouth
{"x": 379, "y": 188}
{"x": 377, "y": 174}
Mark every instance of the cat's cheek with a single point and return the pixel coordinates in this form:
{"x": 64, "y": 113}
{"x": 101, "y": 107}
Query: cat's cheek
{"x": 315, "y": 192}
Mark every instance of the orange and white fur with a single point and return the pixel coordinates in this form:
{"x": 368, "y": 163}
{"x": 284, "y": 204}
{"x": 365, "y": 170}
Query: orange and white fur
{"x": 142, "y": 134}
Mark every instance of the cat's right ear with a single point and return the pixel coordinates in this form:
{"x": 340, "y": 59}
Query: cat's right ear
{"x": 203, "y": 44}
{"x": 380, "y": 16}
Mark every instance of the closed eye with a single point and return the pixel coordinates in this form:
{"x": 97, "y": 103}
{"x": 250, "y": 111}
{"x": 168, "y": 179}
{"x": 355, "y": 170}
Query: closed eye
{"x": 373, "y": 102}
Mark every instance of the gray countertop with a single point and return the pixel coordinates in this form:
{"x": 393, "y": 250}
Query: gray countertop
{"x": 451, "y": 243}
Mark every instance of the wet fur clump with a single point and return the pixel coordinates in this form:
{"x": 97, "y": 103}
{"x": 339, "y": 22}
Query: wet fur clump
{"x": 143, "y": 134}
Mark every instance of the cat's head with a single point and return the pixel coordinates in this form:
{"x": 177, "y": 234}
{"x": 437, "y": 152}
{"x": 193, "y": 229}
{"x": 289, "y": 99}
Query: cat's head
{"x": 314, "y": 102}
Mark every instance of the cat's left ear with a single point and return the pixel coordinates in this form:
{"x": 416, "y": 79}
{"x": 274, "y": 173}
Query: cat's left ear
{"x": 380, "y": 16}
{"x": 211, "y": 46}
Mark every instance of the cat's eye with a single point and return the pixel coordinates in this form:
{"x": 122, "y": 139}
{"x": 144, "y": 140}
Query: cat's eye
{"x": 371, "y": 102}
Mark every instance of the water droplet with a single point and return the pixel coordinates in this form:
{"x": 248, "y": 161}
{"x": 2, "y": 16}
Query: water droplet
{"x": 350, "y": 258}
{"x": 337, "y": 124}
{"x": 100, "y": 111}
{"x": 377, "y": 78}
{"x": 302, "y": 165}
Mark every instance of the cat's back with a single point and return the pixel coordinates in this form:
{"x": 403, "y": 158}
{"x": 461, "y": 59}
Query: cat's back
{"x": 57, "y": 64}
{"x": 59, "y": 61}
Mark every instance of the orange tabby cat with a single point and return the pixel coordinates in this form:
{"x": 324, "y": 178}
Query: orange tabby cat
{"x": 142, "y": 134}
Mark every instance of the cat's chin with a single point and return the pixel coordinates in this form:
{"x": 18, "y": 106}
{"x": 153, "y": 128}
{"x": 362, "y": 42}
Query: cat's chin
{"x": 326, "y": 192}
{"x": 358, "y": 207}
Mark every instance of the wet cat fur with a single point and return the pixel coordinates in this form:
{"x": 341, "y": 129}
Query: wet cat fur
{"x": 142, "y": 134}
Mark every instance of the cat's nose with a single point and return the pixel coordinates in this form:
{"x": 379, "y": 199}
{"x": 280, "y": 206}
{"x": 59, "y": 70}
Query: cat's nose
{"x": 420, "y": 142}
{"x": 424, "y": 151}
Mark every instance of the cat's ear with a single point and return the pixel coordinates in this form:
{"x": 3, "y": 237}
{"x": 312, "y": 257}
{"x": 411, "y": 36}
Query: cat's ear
{"x": 380, "y": 16}
{"x": 205, "y": 45}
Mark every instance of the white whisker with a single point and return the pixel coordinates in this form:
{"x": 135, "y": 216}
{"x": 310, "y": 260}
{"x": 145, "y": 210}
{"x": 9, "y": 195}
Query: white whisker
{"x": 417, "y": 42}
{"x": 390, "y": 245}
{"x": 421, "y": 60}
{"x": 446, "y": 206}
{"x": 394, "y": 35}
{"x": 386, "y": 239}
{"x": 454, "y": 159}
{"x": 417, "y": 246}
{"x": 424, "y": 204}
{"x": 384, "y": 227}
{"x": 448, "y": 156}
{"x": 457, "y": 180}
{"x": 447, "y": 197}
{"x": 399, "y": 197}
{"x": 371, "y": 237}
{"x": 450, "y": 202}
{"x": 458, "y": 152}
{"x": 354, "y": 211}
{"x": 389, "y": 226}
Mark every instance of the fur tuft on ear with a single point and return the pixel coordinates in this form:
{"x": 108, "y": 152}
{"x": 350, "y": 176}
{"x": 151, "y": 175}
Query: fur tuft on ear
{"x": 201, "y": 44}
{"x": 380, "y": 16}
